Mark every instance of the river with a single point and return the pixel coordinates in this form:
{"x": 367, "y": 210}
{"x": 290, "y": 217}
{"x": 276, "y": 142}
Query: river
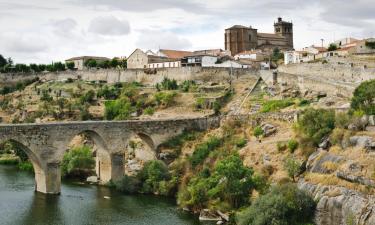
{"x": 81, "y": 204}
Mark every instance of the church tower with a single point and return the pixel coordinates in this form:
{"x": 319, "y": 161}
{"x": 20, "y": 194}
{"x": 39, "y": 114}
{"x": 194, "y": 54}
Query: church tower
{"x": 284, "y": 29}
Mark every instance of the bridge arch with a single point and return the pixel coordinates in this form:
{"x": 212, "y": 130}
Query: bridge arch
{"x": 39, "y": 169}
{"x": 101, "y": 152}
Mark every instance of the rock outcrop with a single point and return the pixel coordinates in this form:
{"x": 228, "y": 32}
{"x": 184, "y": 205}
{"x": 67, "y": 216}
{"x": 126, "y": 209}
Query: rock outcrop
{"x": 340, "y": 206}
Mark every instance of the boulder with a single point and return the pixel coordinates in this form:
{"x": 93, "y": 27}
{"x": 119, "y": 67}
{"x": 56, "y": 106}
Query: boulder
{"x": 317, "y": 161}
{"x": 92, "y": 179}
{"x": 325, "y": 144}
{"x": 206, "y": 215}
{"x": 338, "y": 205}
{"x": 371, "y": 120}
{"x": 268, "y": 129}
{"x": 321, "y": 94}
{"x": 360, "y": 141}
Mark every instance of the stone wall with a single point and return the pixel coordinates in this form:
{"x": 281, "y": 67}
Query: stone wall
{"x": 152, "y": 76}
{"x": 334, "y": 71}
{"x": 338, "y": 205}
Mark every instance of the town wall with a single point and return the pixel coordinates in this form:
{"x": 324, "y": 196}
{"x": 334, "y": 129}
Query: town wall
{"x": 146, "y": 76}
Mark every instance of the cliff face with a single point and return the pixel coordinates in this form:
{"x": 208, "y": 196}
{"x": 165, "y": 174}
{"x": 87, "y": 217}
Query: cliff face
{"x": 340, "y": 206}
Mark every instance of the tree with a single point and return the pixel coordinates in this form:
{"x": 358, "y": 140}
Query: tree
{"x": 3, "y": 61}
{"x": 91, "y": 63}
{"x": 332, "y": 47}
{"x": 314, "y": 124}
{"x": 277, "y": 55}
{"x": 283, "y": 205}
{"x": 152, "y": 173}
{"x": 78, "y": 160}
{"x": 70, "y": 65}
{"x": 293, "y": 167}
{"x": 364, "y": 97}
{"x": 258, "y": 131}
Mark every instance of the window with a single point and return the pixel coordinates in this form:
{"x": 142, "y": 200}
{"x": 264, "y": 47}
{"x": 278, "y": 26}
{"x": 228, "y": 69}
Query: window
{"x": 249, "y": 37}
{"x": 277, "y": 29}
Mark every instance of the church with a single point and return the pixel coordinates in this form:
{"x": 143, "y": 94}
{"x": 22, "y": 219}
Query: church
{"x": 240, "y": 38}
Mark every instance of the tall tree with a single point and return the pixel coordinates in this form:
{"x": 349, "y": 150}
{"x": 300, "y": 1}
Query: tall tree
{"x": 3, "y": 61}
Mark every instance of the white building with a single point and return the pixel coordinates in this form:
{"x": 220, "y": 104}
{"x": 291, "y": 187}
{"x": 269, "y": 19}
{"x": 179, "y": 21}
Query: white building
{"x": 291, "y": 57}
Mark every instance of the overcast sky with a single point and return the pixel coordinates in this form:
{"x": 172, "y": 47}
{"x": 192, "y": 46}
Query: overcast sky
{"x": 43, "y": 31}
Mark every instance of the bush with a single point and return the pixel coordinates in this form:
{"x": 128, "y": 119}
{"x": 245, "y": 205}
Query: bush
{"x": 293, "y": 167}
{"x": 77, "y": 161}
{"x": 292, "y": 145}
{"x": 281, "y": 146}
{"x": 120, "y": 109}
{"x": 230, "y": 183}
{"x": 152, "y": 174}
{"x": 363, "y": 97}
{"x": 108, "y": 93}
{"x": 88, "y": 97}
{"x": 26, "y": 166}
{"x": 164, "y": 99}
{"x": 149, "y": 111}
{"x": 240, "y": 142}
{"x": 128, "y": 184}
{"x": 332, "y": 47}
{"x": 203, "y": 150}
{"x": 284, "y": 205}
{"x": 276, "y": 105}
{"x": 168, "y": 84}
{"x": 188, "y": 85}
{"x": 315, "y": 124}
{"x": 258, "y": 131}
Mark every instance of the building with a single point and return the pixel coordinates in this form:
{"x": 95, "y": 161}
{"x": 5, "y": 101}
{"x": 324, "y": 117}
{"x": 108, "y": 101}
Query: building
{"x": 79, "y": 62}
{"x": 291, "y": 57}
{"x": 213, "y": 52}
{"x": 199, "y": 60}
{"x": 366, "y": 46}
{"x": 256, "y": 55}
{"x": 137, "y": 60}
{"x": 173, "y": 54}
{"x": 346, "y": 42}
{"x": 240, "y": 38}
{"x": 141, "y": 60}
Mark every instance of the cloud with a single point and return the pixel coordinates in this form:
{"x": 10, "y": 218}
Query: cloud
{"x": 154, "y": 39}
{"x": 109, "y": 26}
{"x": 141, "y": 5}
{"x": 63, "y": 27}
{"x": 27, "y": 43}
{"x": 6, "y": 6}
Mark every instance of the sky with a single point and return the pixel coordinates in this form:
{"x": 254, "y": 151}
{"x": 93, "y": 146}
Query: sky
{"x": 43, "y": 31}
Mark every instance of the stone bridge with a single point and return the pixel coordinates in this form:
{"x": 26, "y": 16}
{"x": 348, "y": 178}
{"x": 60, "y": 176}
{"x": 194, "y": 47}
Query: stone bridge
{"x": 45, "y": 144}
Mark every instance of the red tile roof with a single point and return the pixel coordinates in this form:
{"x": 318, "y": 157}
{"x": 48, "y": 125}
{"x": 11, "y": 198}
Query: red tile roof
{"x": 175, "y": 54}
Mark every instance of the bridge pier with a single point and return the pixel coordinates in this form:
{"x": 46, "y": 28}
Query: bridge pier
{"x": 117, "y": 167}
{"x": 48, "y": 180}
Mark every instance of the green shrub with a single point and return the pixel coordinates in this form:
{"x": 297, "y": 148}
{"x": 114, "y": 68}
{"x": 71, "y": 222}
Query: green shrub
{"x": 363, "y": 97}
{"x": 314, "y": 124}
{"x": 88, "y": 97}
{"x": 292, "y": 145}
{"x": 109, "y": 93}
{"x": 152, "y": 174}
{"x": 26, "y": 166}
{"x": 342, "y": 120}
{"x": 120, "y": 109}
{"x": 276, "y": 105}
{"x": 293, "y": 167}
{"x": 230, "y": 182}
{"x": 304, "y": 102}
{"x": 281, "y": 146}
{"x": 188, "y": 85}
{"x": 164, "y": 99}
{"x": 179, "y": 140}
{"x": 200, "y": 103}
{"x": 203, "y": 150}
{"x": 149, "y": 111}
{"x": 76, "y": 160}
{"x": 46, "y": 97}
{"x": 128, "y": 184}
{"x": 168, "y": 84}
{"x": 284, "y": 205}
{"x": 258, "y": 131}
{"x": 240, "y": 142}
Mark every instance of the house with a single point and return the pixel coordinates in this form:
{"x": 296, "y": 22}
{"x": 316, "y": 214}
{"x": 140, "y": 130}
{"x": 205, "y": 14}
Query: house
{"x": 173, "y": 54}
{"x": 315, "y": 50}
{"x": 162, "y": 62}
{"x": 254, "y": 55}
{"x": 366, "y": 46}
{"x": 291, "y": 57}
{"x": 346, "y": 42}
{"x": 137, "y": 60}
{"x": 140, "y": 60}
{"x": 79, "y": 62}
{"x": 213, "y": 52}
{"x": 199, "y": 60}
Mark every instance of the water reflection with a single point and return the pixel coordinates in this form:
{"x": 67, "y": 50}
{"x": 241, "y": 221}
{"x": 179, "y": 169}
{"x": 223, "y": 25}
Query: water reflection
{"x": 80, "y": 204}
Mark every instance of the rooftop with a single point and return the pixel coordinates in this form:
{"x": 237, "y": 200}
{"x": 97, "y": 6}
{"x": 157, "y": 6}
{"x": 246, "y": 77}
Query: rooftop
{"x": 88, "y": 57}
{"x": 174, "y": 54}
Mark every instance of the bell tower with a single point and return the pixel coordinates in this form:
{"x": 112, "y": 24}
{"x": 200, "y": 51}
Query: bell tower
{"x": 284, "y": 29}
